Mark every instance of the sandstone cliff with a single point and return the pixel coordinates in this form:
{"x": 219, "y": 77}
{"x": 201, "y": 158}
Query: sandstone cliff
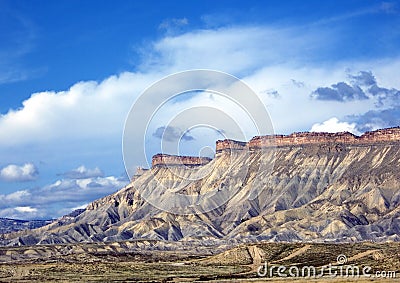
{"x": 174, "y": 160}
{"x": 321, "y": 187}
{"x": 307, "y": 138}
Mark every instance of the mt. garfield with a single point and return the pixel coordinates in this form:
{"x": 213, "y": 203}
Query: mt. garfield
{"x": 302, "y": 187}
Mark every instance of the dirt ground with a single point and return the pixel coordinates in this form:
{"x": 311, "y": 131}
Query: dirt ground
{"x": 243, "y": 263}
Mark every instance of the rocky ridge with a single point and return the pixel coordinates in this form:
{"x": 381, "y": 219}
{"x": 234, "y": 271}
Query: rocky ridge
{"x": 308, "y": 138}
{"x": 175, "y": 160}
{"x": 320, "y": 187}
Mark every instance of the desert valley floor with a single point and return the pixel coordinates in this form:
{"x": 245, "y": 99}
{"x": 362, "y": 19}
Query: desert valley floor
{"x": 157, "y": 261}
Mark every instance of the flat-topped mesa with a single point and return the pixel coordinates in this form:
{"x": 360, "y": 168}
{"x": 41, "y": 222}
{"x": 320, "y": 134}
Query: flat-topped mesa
{"x": 228, "y": 145}
{"x": 304, "y": 138}
{"x": 175, "y": 160}
{"x": 301, "y": 139}
{"x": 383, "y": 135}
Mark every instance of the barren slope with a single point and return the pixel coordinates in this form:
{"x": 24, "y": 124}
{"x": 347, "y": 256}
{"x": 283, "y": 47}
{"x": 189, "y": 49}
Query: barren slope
{"x": 329, "y": 192}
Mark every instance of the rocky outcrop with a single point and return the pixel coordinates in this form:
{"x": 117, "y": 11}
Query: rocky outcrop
{"x": 175, "y": 160}
{"x": 294, "y": 139}
{"x": 305, "y": 138}
{"x": 223, "y": 145}
{"x": 301, "y": 139}
{"x": 384, "y": 135}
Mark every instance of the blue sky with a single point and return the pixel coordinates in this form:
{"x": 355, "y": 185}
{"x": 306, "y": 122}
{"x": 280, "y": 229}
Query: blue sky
{"x": 70, "y": 70}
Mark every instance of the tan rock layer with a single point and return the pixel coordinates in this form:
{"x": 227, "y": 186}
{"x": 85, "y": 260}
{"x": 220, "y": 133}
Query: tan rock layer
{"x": 166, "y": 159}
{"x": 378, "y": 136}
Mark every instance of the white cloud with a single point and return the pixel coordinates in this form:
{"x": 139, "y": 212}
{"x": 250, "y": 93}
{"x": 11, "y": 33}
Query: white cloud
{"x": 25, "y": 209}
{"x": 294, "y": 110}
{"x": 82, "y": 172}
{"x": 15, "y": 197}
{"x": 86, "y": 189}
{"x": 87, "y": 110}
{"x": 236, "y": 49}
{"x": 333, "y": 125}
{"x": 15, "y": 173}
{"x": 22, "y": 212}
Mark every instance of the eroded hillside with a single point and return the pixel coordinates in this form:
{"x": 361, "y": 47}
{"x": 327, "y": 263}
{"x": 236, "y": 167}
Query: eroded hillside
{"x": 301, "y": 187}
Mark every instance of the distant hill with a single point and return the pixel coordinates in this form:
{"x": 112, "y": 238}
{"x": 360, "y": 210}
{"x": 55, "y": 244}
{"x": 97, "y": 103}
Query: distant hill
{"x": 8, "y": 225}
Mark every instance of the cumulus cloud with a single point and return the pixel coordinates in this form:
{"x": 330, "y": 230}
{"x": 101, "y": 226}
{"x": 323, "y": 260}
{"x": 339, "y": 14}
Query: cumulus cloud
{"x": 80, "y": 189}
{"x": 340, "y": 91}
{"x": 385, "y": 108}
{"x": 333, "y": 125}
{"x": 25, "y": 209}
{"x": 362, "y": 86}
{"x": 365, "y": 78}
{"x": 376, "y": 119}
{"x": 15, "y": 197}
{"x": 82, "y": 172}
{"x": 385, "y": 96}
{"x": 16, "y": 173}
{"x": 97, "y": 110}
{"x": 170, "y": 133}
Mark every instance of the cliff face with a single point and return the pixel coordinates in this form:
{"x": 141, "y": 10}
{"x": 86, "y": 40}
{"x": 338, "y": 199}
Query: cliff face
{"x": 302, "y": 139}
{"x": 384, "y": 135}
{"x": 295, "y": 139}
{"x": 309, "y": 194}
{"x": 174, "y": 160}
{"x": 222, "y": 145}
{"x": 305, "y": 138}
